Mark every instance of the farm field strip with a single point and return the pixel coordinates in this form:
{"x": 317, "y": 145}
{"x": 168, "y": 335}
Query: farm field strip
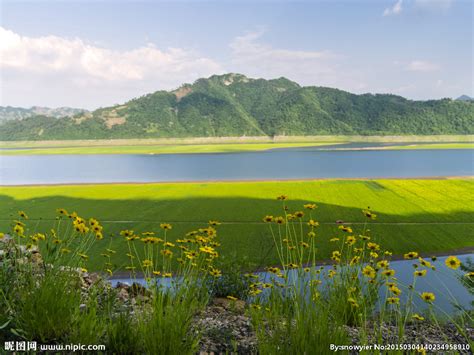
{"x": 423, "y": 215}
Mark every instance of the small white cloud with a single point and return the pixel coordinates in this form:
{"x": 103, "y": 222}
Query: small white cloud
{"x": 422, "y": 66}
{"x": 396, "y": 9}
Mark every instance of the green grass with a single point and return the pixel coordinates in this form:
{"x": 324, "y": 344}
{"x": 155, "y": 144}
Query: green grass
{"x": 160, "y": 149}
{"x": 423, "y": 215}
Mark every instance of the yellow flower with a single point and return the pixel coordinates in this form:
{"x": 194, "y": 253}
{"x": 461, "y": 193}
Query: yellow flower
{"x": 383, "y": 264}
{"x": 310, "y": 206}
{"x": 268, "y": 218}
{"x": 350, "y": 240}
{"x": 207, "y": 250}
{"x": 311, "y": 234}
{"x": 420, "y": 273}
{"x": 110, "y": 251}
{"x": 279, "y": 220}
{"x": 214, "y": 223}
{"x": 165, "y": 226}
{"x": 99, "y": 236}
{"x": 373, "y": 246}
{"x": 167, "y": 252}
{"x": 93, "y": 222}
{"x": 369, "y": 214}
{"x": 331, "y": 273}
{"x": 126, "y": 233}
{"x": 388, "y": 273}
{"x": 273, "y": 270}
{"x": 395, "y": 290}
{"x": 304, "y": 244}
{"x": 334, "y": 239}
{"x": 232, "y": 298}
{"x": 215, "y": 272}
{"x": 168, "y": 244}
{"x": 411, "y": 255}
{"x": 424, "y": 262}
{"x": 369, "y": 271}
{"x": 345, "y": 229}
{"x": 19, "y": 230}
{"x": 147, "y": 263}
{"x": 387, "y": 253}
{"x": 307, "y": 269}
{"x": 452, "y": 262}
{"x": 62, "y": 211}
{"x": 353, "y": 302}
{"x": 282, "y": 197}
{"x": 354, "y": 260}
{"x": 167, "y": 274}
{"x": 83, "y": 256}
{"x": 292, "y": 266}
{"x": 22, "y": 214}
{"x": 299, "y": 214}
{"x": 393, "y": 300}
{"x": 255, "y": 292}
{"x": 374, "y": 255}
{"x": 2, "y": 235}
{"x": 417, "y": 317}
{"x": 83, "y": 269}
{"x": 109, "y": 272}
{"x": 256, "y": 306}
{"x": 428, "y": 297}
{"x": 156, "y": 273}
{"x": 65, "y": 251}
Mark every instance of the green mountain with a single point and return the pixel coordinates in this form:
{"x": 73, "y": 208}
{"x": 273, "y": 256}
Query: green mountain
{"x": 234, "y": 105}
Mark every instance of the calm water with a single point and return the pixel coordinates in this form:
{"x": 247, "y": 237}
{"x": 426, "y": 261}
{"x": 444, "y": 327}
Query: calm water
{"x": 294, "y": 163}
{"x": 443, "y": 282}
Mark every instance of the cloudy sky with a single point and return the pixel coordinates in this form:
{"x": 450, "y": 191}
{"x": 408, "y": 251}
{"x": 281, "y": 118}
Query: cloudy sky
{"x": 90, "y": 54}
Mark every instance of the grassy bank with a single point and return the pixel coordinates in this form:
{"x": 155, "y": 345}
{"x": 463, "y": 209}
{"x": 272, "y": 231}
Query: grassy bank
{"x": 425, "y": 215}
{"x": 207, "y": 148}
{"x": 159, "y": 149}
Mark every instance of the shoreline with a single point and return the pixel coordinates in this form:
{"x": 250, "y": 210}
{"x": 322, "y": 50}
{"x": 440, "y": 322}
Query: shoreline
{"x": 451, "y": 177}
{"x": 245, "y": 139}
{"x": 324, "y": 262}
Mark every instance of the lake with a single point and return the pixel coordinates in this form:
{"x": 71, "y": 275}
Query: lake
{"x": 294, "y": 163}
{"x": 443, "y": 282}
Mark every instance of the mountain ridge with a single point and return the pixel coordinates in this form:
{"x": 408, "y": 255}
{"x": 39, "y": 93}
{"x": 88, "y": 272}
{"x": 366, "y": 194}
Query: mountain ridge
{"x": 235, "y": 105}
{"x": 18, "y": 113}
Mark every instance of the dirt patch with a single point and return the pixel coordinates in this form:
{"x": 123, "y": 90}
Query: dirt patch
{"x": 182, "y": 92}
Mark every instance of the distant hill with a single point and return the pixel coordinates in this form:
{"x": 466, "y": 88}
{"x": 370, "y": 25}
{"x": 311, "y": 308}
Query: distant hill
{"x": 234, "y": 105}
{"x": 18, "y": 113}
{"x": 465, "y": 98}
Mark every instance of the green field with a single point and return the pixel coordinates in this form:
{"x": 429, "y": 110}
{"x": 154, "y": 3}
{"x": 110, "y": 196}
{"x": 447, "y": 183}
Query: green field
{"x": 424, "y": 215}
{"x": 205, "y": 148}
{"x": 160, "y": 149}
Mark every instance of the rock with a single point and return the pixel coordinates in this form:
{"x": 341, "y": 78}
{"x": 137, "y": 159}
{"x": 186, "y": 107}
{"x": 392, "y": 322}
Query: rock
{"x": 230, "y": 305}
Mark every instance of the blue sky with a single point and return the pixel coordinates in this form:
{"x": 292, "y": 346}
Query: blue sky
{"x": 92, "y": 54}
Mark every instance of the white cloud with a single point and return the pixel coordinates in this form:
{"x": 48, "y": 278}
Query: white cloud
{"x": 82, "y": 64}
{"x": 396, "y": 9}
{"x": 252, "y": 56}
{"x": 422, "y": 66}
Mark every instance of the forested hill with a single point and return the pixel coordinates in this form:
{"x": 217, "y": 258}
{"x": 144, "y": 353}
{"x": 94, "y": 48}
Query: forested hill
{"x": 234, "y": 105}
